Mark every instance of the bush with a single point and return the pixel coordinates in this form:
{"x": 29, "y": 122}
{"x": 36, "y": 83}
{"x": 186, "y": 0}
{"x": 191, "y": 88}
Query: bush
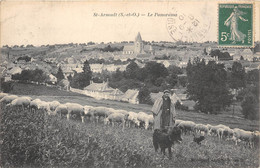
{"x": 6, "y": 87}
{"x": 250, "y": 107}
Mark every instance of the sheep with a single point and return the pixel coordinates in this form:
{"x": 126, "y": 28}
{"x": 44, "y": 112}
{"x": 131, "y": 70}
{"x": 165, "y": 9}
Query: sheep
{"x": 102, "y": 112}
{"x": 186, "y": 126}
{"x": 177, "y": 122}
{"x": 199, "y": 128}
{"x": 88, "y": 112}
{"x": 243, "y": 135}
{"x": 20, "y": 102}
{"x": 144, "y": 119}
{"x": 121, "y": 111}
{"x": 227, "y": 132}
{"x": 61, "y": 110}
{"x": 116, "y": 117}
{"x": 34, "y": 104}
{"x": 132, "y": 119}
{"x": 43, "y": 105}
{"x": 53, "y": 105}
{"x": 214, "y": 130}
{"x": 8, "y": 99}
{"x": 256, "y": 138}
{"x": 74, "y": 110}
{"x": 3, "y": 95}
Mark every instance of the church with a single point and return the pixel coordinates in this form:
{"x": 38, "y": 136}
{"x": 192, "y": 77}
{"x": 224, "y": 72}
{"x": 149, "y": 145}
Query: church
{"x": 138, "y": 48}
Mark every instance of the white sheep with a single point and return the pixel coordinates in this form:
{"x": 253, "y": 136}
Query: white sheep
{"x": 34, "y": 104}
{"x": 3, "y": 95}
{"x": 20, "y": 102}
{"x": 199, "y": 128}
{"x": 102, "y": 112}
{"x": 61, "y": 110}
{"x": 8, "y": 99}
{"x": 177, "y": 122}
{"x": 144, "y": 119}
{"x": 116, "y": 118}
{"x": 53, "y": 105}
{"x": 132, "y": 119}
{"x": 74, "y": 110}
{"x": 121, "y": 111}
{"x": 187, "y": 126}
{"x": 43, "y": 105}
{"x": 246, "y": 136}
{"x": 88, "y": 112}
{"x": 218, "y": 130}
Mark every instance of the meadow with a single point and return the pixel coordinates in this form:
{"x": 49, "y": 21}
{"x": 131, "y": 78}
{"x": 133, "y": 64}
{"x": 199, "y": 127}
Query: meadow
{"x": 49, "y": 94}
{"x": 35, "y": 139}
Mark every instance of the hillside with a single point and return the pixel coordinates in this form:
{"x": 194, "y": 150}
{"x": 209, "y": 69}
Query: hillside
{"x": 49, "y": 94}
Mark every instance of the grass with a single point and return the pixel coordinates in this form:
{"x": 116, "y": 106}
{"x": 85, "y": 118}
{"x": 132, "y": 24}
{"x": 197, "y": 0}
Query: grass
{"x": 37, "y": 140}
{"x": 50, "y": 94}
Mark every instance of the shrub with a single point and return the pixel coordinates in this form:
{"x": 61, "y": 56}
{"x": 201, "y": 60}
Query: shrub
{"x": 6, "y": 87}
{"x": 250, "y": 107}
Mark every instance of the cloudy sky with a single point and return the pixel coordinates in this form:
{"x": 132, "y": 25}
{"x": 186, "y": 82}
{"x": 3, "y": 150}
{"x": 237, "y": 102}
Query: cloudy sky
{"x": 48, "y": 22}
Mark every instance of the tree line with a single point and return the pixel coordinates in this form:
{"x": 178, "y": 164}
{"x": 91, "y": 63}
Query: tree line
{"x": 210, "y": 85}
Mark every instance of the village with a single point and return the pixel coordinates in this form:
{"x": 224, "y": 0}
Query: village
{"x": 116, "y": 56}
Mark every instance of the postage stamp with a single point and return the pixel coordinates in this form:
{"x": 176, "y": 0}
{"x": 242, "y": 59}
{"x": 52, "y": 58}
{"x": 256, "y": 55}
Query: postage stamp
{"x": 235, "y": 25}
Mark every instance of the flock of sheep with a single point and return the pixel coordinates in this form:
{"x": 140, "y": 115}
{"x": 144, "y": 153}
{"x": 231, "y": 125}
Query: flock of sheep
{"x": 129, "y": 119}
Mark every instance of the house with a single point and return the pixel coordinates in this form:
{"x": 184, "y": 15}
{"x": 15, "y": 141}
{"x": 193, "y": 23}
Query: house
{"x": 131, "y": 96}
{"x": 64, "y": 85}
{"x": 252, "y": 67}
{"x": 116, "y": 95}
{"x": 52, "y": 79}
{"x": 98, "y": 90}
{"x": 14, "y": 70}
{"x": 247, "y": 54}
{"x": 96, "y": 68}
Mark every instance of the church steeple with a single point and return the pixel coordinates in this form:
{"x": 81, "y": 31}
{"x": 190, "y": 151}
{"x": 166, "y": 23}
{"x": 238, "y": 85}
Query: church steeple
{"x": 138, "y": 38}
{"x": 139, "y": 47}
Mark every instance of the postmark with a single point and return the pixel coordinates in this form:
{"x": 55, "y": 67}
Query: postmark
{"x": 188, "y": 26}
{"x": 235, "y": 25}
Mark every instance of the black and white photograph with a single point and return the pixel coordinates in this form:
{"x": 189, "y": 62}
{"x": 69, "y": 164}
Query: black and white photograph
{"x": 129, "y": 84}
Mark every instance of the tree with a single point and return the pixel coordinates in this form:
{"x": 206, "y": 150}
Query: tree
{"x": 131, "y": 70}
{"x": 207, "y": 85}
{"x": 6, "y": 87}
{"x": 144, "y": 96}
{"x": 155, "y": 70}
{"x": 59, "y": 75}
{"x": 250, "y": 107}
{"x": 81, "y": 80}
{"x": 238, "y": 76}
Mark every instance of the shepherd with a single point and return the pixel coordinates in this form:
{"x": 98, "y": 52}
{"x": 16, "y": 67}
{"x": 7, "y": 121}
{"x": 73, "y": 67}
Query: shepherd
{"x": 164, "y": 111}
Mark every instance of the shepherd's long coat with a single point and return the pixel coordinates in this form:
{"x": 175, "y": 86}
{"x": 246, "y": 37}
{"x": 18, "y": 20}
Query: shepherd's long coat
{"x": 157, "y": 111}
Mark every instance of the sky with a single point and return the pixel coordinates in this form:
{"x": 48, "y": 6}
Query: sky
{"x": 41, "y": 23}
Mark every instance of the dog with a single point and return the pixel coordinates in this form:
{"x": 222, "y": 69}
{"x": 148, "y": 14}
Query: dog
{"x": 165, "y": 139}
{"x": 198, "y": 139}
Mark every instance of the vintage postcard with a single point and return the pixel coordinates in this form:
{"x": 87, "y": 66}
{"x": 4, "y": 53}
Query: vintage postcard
{"x": 129, "y": 83}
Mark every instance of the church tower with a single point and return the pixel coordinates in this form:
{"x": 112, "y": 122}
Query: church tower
{"x": 139, "y": 46}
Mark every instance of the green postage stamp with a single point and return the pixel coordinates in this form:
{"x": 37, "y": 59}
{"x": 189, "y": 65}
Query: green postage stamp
{"x": 235, "y": 25}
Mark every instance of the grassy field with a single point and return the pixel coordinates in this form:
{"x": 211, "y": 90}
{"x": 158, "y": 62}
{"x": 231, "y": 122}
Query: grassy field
{"x": 34, "y": 139}
{"x": 49, "y": 94}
